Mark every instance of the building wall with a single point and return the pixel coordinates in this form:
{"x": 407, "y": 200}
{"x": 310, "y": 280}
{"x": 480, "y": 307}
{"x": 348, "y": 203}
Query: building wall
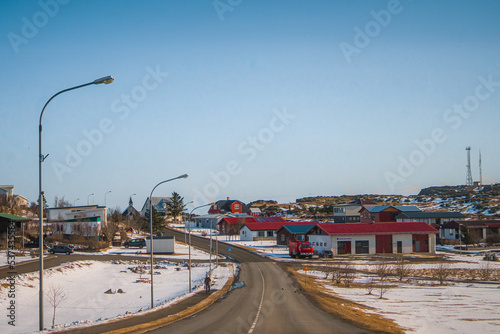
{"x": 336, "y": 239}
{"x": 406, "y": 240}
{"x": 320, "y": 242}
{"x": 246, "y": 234}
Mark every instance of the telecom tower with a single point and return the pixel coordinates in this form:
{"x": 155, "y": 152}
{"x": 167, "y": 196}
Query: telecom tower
{"x": 480, "y": 170}
{"x": 468, "y": 181}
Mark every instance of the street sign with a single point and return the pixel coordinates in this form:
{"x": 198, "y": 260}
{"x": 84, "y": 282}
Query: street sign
{"x": 306, "y": 269}
{"x": 229, "y": 250}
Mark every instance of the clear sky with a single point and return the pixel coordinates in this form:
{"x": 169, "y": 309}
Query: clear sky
{"x": 253, "y": 99}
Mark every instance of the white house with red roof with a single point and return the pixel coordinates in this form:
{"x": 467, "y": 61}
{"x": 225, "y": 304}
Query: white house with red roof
{"x": 260, "y": 229}
{"x": 374, "y": 238}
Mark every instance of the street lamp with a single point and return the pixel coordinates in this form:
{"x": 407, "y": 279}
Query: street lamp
{"x": 190, "y": 218}
{"x": 105, "y": 197}
{"x": 74, "y": 203}
{"x": 185, "y": 224}
{"x": 105, "y": 80}
{"x": 183, "y": 176}
{"x": 89, "y": 197}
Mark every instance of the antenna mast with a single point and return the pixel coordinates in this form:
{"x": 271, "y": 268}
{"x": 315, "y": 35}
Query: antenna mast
{"x": 480, "y": 170}
{"x": 468, "y": 180}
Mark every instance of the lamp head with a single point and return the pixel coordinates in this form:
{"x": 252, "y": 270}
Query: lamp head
{"x": 105, "y": 80}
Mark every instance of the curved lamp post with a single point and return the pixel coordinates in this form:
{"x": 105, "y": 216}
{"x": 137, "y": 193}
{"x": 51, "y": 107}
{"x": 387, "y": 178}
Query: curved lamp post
{"x": 183, "y": 176}
{"x": 190, "y": 218}
{"x": 74, "y": 203}
{"x": 105, "y": 80}
{"x": 107, "y": 192}
{"x": 88, "y": 197}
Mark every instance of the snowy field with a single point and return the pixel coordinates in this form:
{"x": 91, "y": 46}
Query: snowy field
{"x": 423, "y": 306}
{"x": 84, "y": 284}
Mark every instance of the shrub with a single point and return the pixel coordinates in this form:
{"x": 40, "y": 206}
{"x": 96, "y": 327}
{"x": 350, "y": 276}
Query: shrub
{"x": 493, "y": 239}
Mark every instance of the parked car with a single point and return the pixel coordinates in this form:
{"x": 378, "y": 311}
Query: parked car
{"x": 34, "y": 244}
{"x": 135, "y": 243}
{"x": 61, "y": 249}
{"x": 326, "y": 253}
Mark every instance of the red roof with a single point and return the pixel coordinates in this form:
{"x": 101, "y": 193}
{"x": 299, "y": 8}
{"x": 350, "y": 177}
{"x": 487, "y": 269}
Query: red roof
{"x": 236, "y": 220}
{"x": 378, "y": 228}
{"x": 255, "y": 226}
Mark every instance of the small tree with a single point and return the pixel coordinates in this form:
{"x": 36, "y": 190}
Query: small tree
{"x": 55, "y": 295}
{"x": 382, "y": 269}
{"x": 442, "y": 272}
{"x": 370, "y": 286}
{"x": 176, "y": 206}
{"x": 348, "y": 274}
{"x": 402, "y": 268}
{"x": 61, "y": 202}
{"x": 383, "y": 288}
{"x": 485, "y": 272}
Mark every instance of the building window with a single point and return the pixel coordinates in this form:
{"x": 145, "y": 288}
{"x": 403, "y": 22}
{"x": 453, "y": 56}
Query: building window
{"x": 300, "y": 238}
{"x": 362, "y": 247}
{"x": 269, "y": 233}
{"x": 261, "y": 234}
{"x": 283, "y": 238}
{"x": 236, "y": 206}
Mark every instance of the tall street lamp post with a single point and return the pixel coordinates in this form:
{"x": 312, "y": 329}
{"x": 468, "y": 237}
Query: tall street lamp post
{"x": 107, "y": 192}
{"x": 74, "y": 203}
{"x": 105, "y": 80}
{"x": 89, "y": 197}
{"x": 183, "y": 176}
{"x": 190, "y": 219}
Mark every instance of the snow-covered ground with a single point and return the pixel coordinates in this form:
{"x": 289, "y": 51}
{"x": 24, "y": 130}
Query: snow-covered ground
{"x": 84, "y": 284}
{"x": 18, "y": 257}
{"x": 425, "y": 306}
{"x": 181, "y": 252}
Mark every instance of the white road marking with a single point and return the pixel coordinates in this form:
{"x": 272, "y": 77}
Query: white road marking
{"x": 261, "y": 301}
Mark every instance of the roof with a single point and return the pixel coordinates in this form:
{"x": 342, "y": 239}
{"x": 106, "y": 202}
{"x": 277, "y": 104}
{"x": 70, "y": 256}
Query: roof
{"x": 8, "y": 216}
{"x": 380, "y": 208}
{"x": 256, "y": 226}
{"x": 378, "y": 228}
{"x": 413, "y": 215}
{"x": 256, "y": 210}
{"x": 298, "y": 229}
{"x": 250, "y": 219}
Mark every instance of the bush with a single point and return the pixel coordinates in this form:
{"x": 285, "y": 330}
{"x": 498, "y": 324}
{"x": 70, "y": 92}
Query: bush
{"x": 493, "y": 239}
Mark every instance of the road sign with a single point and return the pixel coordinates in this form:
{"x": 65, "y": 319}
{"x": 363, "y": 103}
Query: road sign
{"x": 306, "y": 269}
{"x": 229, "y": 250}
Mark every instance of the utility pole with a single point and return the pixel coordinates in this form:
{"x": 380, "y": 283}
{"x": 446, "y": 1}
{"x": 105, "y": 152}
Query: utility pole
{"x": 468, "y": 181}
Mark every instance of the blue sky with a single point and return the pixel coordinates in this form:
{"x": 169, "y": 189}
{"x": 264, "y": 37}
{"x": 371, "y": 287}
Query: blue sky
{"x": 253, "y": 99}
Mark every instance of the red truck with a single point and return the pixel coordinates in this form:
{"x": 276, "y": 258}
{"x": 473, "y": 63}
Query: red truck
{"x": 300, "y": 249}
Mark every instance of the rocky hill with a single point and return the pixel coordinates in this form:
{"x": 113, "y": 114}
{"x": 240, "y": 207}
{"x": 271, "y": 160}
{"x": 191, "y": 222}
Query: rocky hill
{"x": 481, "y": 202}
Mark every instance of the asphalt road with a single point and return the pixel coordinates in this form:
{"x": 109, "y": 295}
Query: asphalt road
{"x": 267, "y": 303}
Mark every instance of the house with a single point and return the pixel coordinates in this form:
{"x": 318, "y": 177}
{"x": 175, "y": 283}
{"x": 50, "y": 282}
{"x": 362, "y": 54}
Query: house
{"x": 160, "y": 204}
{"x": 349, "y": 212}
{"x": 438, "y": 218}
{"x": 262, "y": 229}
{"x": 229, "y": 206}
{"x": 450, "y": 231}
{"x": 85, "y": 220}
{"x": 205, "y": 221}
{"x": 255, "y": 212}
{"x": 374, "y": 238}
{"x": 130, "y": 212}
{"x": 231, "y": 224}
{"x": 383, "y": 213}
{"x": 295, "y": 232}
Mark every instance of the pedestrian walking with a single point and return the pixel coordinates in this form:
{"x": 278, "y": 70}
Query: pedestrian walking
{"x": 207, "y": 283}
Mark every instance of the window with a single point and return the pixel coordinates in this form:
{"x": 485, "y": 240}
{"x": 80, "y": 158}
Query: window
{"x": 261, "y": 234}
{"x": 236, "y": 206}
{"x": 283, "y": 238}
{"x": 362, "y": 247}
{"x": 300, "y": 238}
{"x": 269, "y": 233}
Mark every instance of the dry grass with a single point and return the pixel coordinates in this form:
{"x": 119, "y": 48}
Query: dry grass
{"x": 345, "y": 309}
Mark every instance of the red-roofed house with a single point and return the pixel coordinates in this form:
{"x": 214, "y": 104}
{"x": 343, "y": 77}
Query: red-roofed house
{"x": 252, "y": 231}
{"x": 374, "y": 238}
{"x": 232, "y": 225}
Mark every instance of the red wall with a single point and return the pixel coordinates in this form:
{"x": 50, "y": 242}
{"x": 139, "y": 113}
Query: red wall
{"x": 383, "y": 244}
{"x": 424, "y": 242}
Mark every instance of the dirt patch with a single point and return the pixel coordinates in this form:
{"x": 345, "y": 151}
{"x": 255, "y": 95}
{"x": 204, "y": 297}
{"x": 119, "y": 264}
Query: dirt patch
{"x": 354, "y": 313}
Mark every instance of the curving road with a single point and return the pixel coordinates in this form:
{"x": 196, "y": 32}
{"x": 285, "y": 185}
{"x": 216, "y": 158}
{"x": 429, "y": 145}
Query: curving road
{"x": 268, "y": 302}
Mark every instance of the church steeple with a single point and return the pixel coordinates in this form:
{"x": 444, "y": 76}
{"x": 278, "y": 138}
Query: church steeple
{"x": 130, "y": 203}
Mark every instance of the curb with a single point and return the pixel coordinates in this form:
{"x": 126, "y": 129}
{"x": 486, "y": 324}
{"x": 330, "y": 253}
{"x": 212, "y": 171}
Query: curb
{"x": 146, "y": 327}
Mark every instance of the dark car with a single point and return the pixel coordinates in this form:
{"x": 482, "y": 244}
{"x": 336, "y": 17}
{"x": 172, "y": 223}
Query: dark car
{"x": 326, "y": 253}
{"x": 61, "y": 249}
{"x": 135, "y": 243}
